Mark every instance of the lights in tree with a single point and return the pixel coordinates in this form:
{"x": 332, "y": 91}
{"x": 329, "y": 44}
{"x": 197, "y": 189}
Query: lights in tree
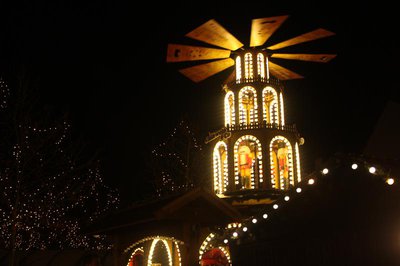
{"x": 354, "y": 166}
{"x": 311, "y": 181}
{"x": 298, "y": 190}
{"x": 325, "y": 171}
{"x": 254, "y": 220}
{"x": 265, "y": 216}
{"x": 275, "y": 206}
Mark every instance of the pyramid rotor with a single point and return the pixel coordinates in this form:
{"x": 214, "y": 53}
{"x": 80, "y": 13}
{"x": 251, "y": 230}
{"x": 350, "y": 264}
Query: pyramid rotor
{"x": 262, "y": 29}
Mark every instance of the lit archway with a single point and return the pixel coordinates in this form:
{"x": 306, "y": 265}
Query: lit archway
{"x": 270, "y": 105}
{"x": 248, "y": 162}
{"x": 248, "y": 105}
{"x": 260, "y": 65}
{"x": 152, "y": 251}
{"x": 137, "y": 258}
{"x": 281, "y": 159}
{"x": 248, "y": 66}
{"x": 220, "y": 158}
{"x": 229, "y": 108}
{"x": 238, "y": 69}
{"x": 217, "y": 256}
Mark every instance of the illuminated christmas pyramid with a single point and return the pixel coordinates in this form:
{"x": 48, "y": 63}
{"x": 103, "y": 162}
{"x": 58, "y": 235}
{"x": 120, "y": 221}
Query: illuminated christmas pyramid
{"x": 256, "y": 153}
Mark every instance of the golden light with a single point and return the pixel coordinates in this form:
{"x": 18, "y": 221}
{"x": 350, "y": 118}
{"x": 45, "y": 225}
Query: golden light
{"x": 311, "y": 181}
{"x": 254, "y": 220}
{"x": 235, "y": 234}
{"x": 372, "y": 170}
{"x": 152, "y": 247}
{"x": 390, "y": 181}
{"x": 298, "y": 190}
{"x": 265, "y": 216}
{"x": 225, "y": 241}
{"x": 296, "y": 147}
{"x": 275, "y": 206}
{"x": 325, "y": 171}
{"x": 354, "y": 166}
{"x": 244, "y": 229}
{"x": 287, "y": 198}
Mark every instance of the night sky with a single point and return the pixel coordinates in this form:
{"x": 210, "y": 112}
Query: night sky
{"x": 103, "y": 62}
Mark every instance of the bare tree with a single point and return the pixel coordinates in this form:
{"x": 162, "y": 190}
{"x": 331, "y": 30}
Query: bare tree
{"x": 50, "y": 187}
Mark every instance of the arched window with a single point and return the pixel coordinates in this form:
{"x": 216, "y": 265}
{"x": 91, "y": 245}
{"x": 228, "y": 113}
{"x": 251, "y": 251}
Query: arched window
{"x": 215, "y": 256}
{"x": 282, "y": 109}
{"x": 260, "y": 65}
{"x": 159, "y": 253}
{"x": 210, "y": 255}
{"x": 270, "y": 105}
{"x": 298, "y": 163}
{"x": 238, "y": 69}
{"x": 137, "y": 258}
{"x": 229, "y": 108}
{"x": 248, "y": 105}
{"x": 220, "y": 158}
{"x": 248, "y": 66}
{"x": 248, "y": 163}
{"x": 281, "y": 159}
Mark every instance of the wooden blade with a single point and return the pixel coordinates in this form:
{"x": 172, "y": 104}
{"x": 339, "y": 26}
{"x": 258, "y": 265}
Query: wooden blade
{"x": 282, "y": 73}
{"x": 179, "y": 53}
{"x": 230, "y": 78}
{"x": 213, "y": 33}
{"x": 201, "y": 72}
{"x": 321, "y": 58}
{"x": 306, "y": 37}
{"x": 263, "y": 28}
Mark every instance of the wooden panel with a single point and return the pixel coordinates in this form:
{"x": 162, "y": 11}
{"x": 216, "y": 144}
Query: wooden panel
{"x": 203, "y": 71}
{"x": 179, "y": 53}
{"x": 282, "y": 73}
{"x": 213, "y": 33}
{"x": 263, "y": 28}
{"x": 306, "y": 37}
{"x": 321, "y": 58}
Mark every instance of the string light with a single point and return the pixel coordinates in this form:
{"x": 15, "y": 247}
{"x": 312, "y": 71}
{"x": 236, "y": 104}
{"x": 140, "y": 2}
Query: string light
{"x": 48, "y": 192}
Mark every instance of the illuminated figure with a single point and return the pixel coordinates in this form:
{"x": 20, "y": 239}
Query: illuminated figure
{"x": 248, "y": 104}
{"x": 246, "y": 159}
{"x": 268, "y": 98}
{"x": 281, "y": 164}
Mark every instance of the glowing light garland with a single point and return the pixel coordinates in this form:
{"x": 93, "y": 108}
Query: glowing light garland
{"x": 231, "y": 230}
{"x": 47, "y": 193}
{"x": 171, "y": 161}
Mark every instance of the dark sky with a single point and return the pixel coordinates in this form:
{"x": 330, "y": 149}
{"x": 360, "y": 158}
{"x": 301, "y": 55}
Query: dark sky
{"x": 104, "y": 62}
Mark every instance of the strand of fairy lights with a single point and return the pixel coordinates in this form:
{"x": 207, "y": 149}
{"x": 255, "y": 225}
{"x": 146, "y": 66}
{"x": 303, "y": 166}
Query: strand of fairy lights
{"x": 235, "y": 230}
